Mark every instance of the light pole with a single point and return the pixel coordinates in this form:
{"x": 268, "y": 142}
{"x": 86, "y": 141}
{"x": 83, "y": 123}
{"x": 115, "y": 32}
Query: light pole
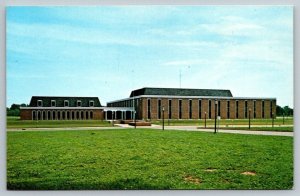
{"x": 204, "y": 119}
{"x": 112, "y": 118}
{"x": 283, "y": 116}
{"x": 272, "y": 119}
{"x": 216, "y": 104}
{"x": 249, "y": 118}
{"x": 134, "y": 119}
{"x": 163, "y": 115}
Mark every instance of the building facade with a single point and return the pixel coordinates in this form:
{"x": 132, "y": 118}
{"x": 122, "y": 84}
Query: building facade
{"x": 152, "y": 104}
{"x": 62, "y": 108}
{"x": 72, "y": 108}
{"x": 173, "y": 103}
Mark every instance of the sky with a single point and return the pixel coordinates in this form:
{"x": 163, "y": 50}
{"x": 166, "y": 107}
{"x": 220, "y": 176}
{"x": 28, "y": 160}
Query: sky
{"x": 108, "y": 51}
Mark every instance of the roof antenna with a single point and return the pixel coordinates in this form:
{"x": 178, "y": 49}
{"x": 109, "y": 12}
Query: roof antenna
{"x": 179, "y": 78}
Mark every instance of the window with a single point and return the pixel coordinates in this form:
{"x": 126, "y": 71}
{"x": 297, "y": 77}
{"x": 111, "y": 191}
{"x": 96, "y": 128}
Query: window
{"x": 254, "y": 109}
{"x": 53, "y": 115}
{"x": 170, "y": 109}
{"x": 44, "y": 115}
{"x": 180, "y": 108}
{"x": 159, "y": 109}
{"x": 33, "y": 115}
{"x": 39, "y": 103}
{"x": 199, "y": 108}
{"x": 246, "y": 109}
{"x": 91, "y": 104}
{"x": 148, "y": 108}
{"x": 219, "y": 108}
{"x": 78, "y": 103}
{"x": 209, "y": 109}
{"x": 237, "y": 109}
{"x": 66, "y": 103}
{"x": 190, "y": 108}
{"x": 53, "y": 103}
{"x": 228, "y": 109}
{"x": 263, "y": 109}
{"x": 63, "y": 115}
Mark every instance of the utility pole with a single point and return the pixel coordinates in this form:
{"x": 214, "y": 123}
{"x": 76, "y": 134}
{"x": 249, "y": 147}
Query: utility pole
{"x": 180, "y": 78}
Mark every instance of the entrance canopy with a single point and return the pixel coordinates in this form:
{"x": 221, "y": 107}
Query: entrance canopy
{"x": 118, "y": 113}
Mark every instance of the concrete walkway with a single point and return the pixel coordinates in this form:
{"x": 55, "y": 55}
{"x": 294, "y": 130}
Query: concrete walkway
{"x": 194, "y": 128}
{"x": 159, "y": 127}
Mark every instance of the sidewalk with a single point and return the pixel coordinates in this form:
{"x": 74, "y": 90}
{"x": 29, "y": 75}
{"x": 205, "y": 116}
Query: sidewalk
{"x": 159, "y": 127}
{"x": 194, "y": 128}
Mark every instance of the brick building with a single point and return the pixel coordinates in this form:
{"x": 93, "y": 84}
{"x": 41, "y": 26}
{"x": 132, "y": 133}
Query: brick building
{"x": 72, "y": 108}
{"x": 179, "y": 103}
{"x": 62, "y": 108}
{"x": 152, "y": 103}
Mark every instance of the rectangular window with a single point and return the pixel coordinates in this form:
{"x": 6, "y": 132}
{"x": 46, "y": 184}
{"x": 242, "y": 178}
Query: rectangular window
{"x": 219, "y": 108}
{"x": 200, "y": 108}
{"x": 190, "y": 108}
{"x": 66, "y": 103}
{"x": 263, "y": 109}
{"x": 159, "y": 109}
{"x": 53, "y": 103}
{"x": 254, "y": 109}
{"x": 246, "y": 109}
{"x": 78, "y": 103}
{"x": 91, "y": 103}
{"x": 39, "y": 103}
{"x": 209, "y": 109}
{"x": 228, "y": 109}
{"x": 148, "y": 108}
{"x": 180, "y": 108}
{"x": 237, "y": 109}
{"x": 170, "y": 109}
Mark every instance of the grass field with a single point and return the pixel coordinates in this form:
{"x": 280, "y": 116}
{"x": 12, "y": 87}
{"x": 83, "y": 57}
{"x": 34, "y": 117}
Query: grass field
{"x": 15, "y": 122}
{"x": 281, "y": 129}
{"x": 147, "y": 159}
{"x": 228, "y": 122}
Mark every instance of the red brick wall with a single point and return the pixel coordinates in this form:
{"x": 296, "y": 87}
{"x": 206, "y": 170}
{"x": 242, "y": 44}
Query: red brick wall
{"x": 195, "y": 109}
{"x": 26, "y": 114}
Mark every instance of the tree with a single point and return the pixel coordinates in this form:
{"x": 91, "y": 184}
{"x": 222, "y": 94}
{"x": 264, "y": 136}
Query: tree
{"x": 14, "y": 109}
{"x": 288, "y": 111}
{"x": 279, "y": 110}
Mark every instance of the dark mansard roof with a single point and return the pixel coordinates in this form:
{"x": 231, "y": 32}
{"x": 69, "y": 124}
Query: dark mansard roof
{"x": 46, "y": 100}
{"x": 181, "y": 92}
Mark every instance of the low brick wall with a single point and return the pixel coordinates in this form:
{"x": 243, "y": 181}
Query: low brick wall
{"x": 140, "y": 123}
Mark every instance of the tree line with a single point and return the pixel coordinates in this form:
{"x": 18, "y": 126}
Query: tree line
{"x": 14, "y": 110}
{"x": 284, "y": 111}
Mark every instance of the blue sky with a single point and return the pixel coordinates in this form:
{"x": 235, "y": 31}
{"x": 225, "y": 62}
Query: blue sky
{"x": 109, "y": 51}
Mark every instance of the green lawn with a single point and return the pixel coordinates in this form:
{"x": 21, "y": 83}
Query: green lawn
{"x": 229, "y": 122}
{"x": 147, "y": 159}
{"x": 281, "y": 129}
{"x": 15, "y": 122}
